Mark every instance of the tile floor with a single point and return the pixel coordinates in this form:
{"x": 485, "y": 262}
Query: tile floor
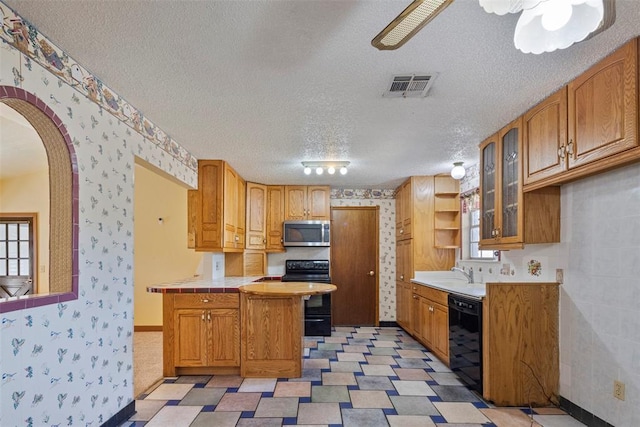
{"x": 356, "y": 377}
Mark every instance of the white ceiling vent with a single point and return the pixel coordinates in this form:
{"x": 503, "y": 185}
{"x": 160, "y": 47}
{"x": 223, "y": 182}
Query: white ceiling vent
{"x": 409, "y": 86}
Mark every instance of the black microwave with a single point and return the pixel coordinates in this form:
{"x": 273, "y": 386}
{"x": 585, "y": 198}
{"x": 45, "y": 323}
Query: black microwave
{"x": 306, "y": 233}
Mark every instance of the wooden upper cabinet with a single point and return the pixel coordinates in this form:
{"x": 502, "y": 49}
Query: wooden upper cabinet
{"x": 509, "y": 218}
{"x": 193, "y": 205}
{"x": 234, "y": 215}
{"x": 588, "y": 127}
{"x": 501, "y": 187}
{"x": 275, "y": 217}
{"x": 544, "y": 138}
{"x": 208, "y": 205}
{"x": 241, "y": 212}
{"x": 404, "y": 211}
{"x": 216, "y": 211}
{"x": 318, "y": 202}
{"x": 603, "y": 108}
{"x": 307, "y": 202}
{"x": 256, "y": 215}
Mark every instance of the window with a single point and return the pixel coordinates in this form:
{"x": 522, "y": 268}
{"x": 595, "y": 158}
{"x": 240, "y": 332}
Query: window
{"x": 474, "y": 238}
{"x": 16, "y": 256}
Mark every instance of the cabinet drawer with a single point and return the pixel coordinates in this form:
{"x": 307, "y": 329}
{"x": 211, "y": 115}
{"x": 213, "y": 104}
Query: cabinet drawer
{"x": 433, "y": 294}
{"x": 207, "y": 301}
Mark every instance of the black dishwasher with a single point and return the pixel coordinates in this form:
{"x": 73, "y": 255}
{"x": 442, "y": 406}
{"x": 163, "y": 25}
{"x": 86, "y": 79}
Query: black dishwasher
{"x": 465, "y": 339}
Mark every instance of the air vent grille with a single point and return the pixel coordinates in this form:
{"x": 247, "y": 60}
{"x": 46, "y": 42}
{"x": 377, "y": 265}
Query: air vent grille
{"x": 409, "y": 86}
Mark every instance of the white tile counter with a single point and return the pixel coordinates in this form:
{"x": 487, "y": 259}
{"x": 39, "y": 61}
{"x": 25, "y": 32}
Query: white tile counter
{"x": 450, "y": 281}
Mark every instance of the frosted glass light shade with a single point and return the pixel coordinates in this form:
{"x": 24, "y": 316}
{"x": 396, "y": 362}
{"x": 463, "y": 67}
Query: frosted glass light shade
{"x": 532, "y": 37}
{"x": 502, "y": 7}
{"x": 458, "y": 172}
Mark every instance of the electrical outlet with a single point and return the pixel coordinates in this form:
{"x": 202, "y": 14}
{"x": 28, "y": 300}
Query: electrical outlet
{"x": 618, "y": 389}
{"x": 217, "y": 265}
{"x": 559, "y": 275}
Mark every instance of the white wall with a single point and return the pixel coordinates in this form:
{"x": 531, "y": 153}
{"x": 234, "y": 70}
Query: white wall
{"x": 599, "y": 312}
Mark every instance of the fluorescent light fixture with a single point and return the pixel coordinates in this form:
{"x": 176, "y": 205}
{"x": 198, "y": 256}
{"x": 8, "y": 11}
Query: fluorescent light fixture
{"x": 408, "y": 23}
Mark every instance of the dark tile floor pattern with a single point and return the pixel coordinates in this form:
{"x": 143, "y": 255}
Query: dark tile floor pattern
{"x": 357, "y": 377}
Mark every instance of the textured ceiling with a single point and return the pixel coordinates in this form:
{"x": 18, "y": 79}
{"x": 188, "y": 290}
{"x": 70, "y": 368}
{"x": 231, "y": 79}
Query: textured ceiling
{"x": 268, "y": 84}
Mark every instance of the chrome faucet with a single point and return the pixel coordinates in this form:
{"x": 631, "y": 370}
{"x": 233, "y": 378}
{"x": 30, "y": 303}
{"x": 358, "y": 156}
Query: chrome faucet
{"x": 468, "y": 275}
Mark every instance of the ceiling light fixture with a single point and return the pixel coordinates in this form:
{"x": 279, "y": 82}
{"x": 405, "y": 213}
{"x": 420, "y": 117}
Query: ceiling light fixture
{"x": 408, "y": 23}
{"x": 458, "y": 172}
{"x": 548, "y": 25}
{"x": 329, "y": 166}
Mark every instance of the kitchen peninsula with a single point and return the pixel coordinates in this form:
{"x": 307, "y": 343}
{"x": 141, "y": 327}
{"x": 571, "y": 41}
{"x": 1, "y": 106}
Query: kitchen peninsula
{"x": 251, "y": 326}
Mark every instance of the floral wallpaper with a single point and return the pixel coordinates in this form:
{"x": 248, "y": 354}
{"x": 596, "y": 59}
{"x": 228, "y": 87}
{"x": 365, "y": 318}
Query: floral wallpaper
{"x": 387, "y": 252}
{"x": 71, "y": 363}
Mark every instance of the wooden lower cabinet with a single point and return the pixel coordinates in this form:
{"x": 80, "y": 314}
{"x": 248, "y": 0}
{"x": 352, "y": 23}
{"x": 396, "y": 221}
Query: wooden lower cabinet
{"x": 272, "y": 336}
{"x": 201, "y": 334}
{"x": 430, "y": 319}
{"x": 520, "y": 344}
{"x": 403, "y": 305}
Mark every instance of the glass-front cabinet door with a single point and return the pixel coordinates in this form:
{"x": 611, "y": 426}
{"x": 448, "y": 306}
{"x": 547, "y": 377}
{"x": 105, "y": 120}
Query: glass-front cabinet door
{"x": 488, "y": 176}
{"x": 500, "y": 188}
{"x": 511, "y": 195}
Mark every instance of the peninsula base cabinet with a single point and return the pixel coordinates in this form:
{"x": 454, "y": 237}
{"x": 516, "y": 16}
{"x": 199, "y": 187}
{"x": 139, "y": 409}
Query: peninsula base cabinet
{"x": 201, "y": 334}
{"x": 520, "y": 344}
{"x": 272, "y": 336}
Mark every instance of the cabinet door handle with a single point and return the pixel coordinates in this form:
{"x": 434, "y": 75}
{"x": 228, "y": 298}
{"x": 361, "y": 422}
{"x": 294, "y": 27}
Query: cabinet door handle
{"x": 561, "y": 151}
{"x": 205, "y": 300}
{"x": 402, "y": 231}
{"x": 202, "y": 317}
{"x": 371, "y": 273}
{"x": 570, "y": 147}
{"x": 402, "y": 277}
{"x": 209, "y": 316}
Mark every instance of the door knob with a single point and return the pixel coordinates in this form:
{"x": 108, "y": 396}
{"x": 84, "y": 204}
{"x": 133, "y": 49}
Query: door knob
{"x": 372, "y": 273}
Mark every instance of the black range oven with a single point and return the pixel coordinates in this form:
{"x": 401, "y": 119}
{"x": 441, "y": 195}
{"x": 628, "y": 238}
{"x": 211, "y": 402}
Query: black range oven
{"x": 317, "y": 309}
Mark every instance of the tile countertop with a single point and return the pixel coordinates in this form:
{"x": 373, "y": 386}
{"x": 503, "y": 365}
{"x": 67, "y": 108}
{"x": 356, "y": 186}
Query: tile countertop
{"x": 200, "y": 285}
{"x": 450, "y": 281}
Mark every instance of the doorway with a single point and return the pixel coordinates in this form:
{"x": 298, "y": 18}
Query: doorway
{"x": 354, "y": 265}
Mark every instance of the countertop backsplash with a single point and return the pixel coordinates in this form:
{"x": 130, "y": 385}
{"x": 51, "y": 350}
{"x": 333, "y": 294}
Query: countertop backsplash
{"x": 534, "y": 263}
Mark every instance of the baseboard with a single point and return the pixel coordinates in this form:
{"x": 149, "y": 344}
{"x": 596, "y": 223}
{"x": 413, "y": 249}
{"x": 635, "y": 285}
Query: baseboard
{"x": 123, "y": 415}
{"x": 388, "y": 324}
{"x": 582, "y": 415}
{"x": 147, "y": 328}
